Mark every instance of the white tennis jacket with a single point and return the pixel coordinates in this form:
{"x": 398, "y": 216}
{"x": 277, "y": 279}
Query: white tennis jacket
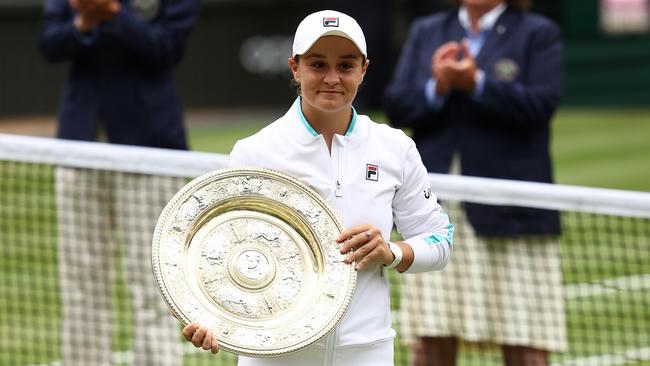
{"x": 374, "y": 175}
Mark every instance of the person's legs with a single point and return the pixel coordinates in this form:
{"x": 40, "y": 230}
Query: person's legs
{"x": 435, "y": 351}
{"x": 529, "y": 316}
{"x": 85, "y": 261}
{"x": 140, "y": 200}
{"x": 524, "y": 356}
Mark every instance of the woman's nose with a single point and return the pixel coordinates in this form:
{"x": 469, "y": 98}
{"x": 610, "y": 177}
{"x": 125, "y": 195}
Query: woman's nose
{"x": 331, "y": 77}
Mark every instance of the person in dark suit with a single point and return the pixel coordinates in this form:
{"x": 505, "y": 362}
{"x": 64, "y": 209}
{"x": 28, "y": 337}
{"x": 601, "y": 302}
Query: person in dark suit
{"x": 122, "y": 54}
{"x": 478, "y": 87}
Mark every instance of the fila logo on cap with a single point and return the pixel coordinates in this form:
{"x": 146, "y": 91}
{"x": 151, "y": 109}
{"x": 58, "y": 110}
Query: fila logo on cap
{"x": 372, "y": 172}
{"x": 330, "y": 21}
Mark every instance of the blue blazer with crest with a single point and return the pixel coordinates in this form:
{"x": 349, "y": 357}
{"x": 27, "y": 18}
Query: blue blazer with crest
{"x": 503, "y": 133}
{"x": 121, "y": 74}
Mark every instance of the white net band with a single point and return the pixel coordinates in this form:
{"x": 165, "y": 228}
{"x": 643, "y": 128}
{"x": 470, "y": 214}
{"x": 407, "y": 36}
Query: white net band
{"x": 134, "y": 159}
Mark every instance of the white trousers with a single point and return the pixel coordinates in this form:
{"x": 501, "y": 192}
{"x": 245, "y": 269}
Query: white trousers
{"x": 97, "y": 211}
{"x": 375, "y": 354}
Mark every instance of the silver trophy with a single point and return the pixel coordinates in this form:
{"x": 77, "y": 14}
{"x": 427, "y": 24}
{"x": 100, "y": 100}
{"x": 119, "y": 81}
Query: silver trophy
{"x": 251, "y": 254}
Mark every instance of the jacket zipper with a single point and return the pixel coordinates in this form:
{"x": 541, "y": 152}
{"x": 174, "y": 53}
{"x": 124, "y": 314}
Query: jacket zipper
{"x": 338, "y": 191}
{"x": 337, "y": 147}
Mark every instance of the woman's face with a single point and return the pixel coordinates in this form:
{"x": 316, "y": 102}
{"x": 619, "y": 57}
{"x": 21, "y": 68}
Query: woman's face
{"x": 329, "y": 73}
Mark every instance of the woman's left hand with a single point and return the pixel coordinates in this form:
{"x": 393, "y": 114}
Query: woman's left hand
{"x": 368, "y": 245}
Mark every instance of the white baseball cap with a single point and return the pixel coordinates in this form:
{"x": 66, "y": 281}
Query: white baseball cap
{"x": 327, "y": 23}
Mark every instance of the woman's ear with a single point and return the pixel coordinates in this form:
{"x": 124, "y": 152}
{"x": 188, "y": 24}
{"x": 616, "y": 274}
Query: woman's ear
{"x": 364, "y": 68}
{"x": 293, "y": 66}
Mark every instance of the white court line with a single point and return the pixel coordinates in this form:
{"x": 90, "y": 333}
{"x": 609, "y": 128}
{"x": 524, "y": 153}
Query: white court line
{"x": 607, "y": 287}
{"x": 620, "y": 358}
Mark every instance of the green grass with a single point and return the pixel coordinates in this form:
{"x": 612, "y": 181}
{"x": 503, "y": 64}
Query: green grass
{"x": 601, "y": 148}
{"x": 607, "y": 148}
{"x": 221, "y": 137}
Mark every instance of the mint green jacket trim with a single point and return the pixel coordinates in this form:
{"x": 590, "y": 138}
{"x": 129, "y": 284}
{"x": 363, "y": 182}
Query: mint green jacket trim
{"x": 437, "y": 238}
{"x": 311, "y": 130}
{"x": 302, "y": 117}
{"x": 352, "y": 122}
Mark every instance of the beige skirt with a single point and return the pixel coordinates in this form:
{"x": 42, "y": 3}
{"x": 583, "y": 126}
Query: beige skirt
{"x": 504, "y": 291}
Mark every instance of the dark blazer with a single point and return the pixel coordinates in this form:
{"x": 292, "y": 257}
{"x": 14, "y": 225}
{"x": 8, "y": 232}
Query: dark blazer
{"x": 505, "y": 132}
{"x": 121, "y": 73}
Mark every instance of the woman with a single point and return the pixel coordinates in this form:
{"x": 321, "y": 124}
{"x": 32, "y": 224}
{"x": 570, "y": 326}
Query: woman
{"x": 371, "y": 174}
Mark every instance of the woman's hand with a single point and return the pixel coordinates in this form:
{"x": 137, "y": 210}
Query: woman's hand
{"x": 201, "y": 337}
{"x": 368, "y": 244}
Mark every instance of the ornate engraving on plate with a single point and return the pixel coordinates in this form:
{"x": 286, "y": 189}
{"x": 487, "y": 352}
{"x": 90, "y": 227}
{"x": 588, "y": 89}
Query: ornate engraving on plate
{"x": 251, "y": 254}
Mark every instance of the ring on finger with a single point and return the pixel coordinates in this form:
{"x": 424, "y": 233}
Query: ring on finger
{"x": 368, "y": 234}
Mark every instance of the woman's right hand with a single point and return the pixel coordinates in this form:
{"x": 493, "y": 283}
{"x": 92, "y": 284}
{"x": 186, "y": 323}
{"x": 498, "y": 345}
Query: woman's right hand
{"x": 201, "y": 337}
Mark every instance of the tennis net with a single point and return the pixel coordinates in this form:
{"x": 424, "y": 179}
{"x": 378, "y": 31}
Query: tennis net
{"x": 76, "y": 220}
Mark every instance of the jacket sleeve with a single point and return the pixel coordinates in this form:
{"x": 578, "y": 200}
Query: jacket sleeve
{"x": 531, "y": 100}
{"x": 239, "y": 157}
{"x": 59, "y": 39}
{"x": 420, "y": 219}
{"x": 405, "y": 102}
{"x": 160, "y": 43}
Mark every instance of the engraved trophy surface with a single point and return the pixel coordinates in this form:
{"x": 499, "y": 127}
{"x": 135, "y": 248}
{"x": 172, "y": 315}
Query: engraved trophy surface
{"x": 251, "y": 254}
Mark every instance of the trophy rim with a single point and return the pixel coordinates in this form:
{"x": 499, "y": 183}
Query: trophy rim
{"x": 214, "y": 176}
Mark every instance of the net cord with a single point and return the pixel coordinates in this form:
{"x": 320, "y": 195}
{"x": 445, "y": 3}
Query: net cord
{"x": 166, "y": 162}
{"x": 104, "y": 156}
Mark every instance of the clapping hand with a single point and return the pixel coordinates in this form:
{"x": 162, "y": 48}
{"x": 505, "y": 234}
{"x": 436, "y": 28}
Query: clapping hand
{"x": 454, "y": 71}
{"x": 441, "y": 58}
{"x": 90, "y": 13}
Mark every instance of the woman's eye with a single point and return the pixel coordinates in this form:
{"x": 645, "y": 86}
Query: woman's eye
{"x": 346, "y": 66}
{"x": 317, "y": 65}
